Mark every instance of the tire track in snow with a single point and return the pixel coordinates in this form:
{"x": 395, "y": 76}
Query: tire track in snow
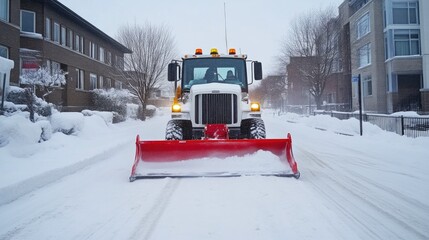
{"x": 15, "y": 191}
{"x": 149, "y": 222}
{"x": 362, "y": 195}
{"x": 321, "y": 182}
{"x": 408, "y": 204}
{"x": 50, "y": 214}
{"x": 9, "y": 194}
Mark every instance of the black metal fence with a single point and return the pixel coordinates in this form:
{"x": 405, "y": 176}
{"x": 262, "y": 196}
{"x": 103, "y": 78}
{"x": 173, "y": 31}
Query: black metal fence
{"x": 402, "y": 125}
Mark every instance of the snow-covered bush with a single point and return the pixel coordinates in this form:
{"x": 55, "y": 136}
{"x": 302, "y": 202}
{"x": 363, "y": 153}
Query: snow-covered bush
{"x": 16, "y": 95}
{"x": 25, "y": 97}
{"x": 17, "y": 129}
{"x": 112, "y": 100}
{"x": 106, "y": 116}
{"x": 67, "y": 122}
{"x": 132, "y": 110}
{"x": 150, "y": 111}
{"x": 44, "y": 78}
{"x": 46, "y": 128}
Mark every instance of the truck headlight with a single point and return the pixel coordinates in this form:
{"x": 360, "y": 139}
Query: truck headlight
{"x": 176, "y": 108}
{"x": 255, "y": 107}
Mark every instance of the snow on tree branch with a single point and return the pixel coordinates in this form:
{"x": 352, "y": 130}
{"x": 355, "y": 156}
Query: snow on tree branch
{"x": 43, "y": 77}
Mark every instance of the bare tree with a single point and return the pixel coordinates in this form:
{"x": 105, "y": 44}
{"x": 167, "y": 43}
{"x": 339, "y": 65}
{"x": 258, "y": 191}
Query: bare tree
{"x": 315, "y": 37}
{"x": 270, "y": 90}
{"x": 152, "y": 49}
{"x": 44, "y": 78}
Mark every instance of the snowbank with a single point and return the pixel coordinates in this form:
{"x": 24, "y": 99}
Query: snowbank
{"x": 67, "y": 122}
{"x": 106, "y": 116}
{"x": 18, "y": 130}
{"x": 328, "y": 123}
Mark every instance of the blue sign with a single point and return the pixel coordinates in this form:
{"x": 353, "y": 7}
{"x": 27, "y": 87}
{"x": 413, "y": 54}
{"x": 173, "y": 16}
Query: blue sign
{"x": 355, "y": 78}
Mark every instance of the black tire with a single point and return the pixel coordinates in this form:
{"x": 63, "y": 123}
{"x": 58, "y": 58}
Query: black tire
{"x": 178, "y": 130}
{"x": 253, "y": 128}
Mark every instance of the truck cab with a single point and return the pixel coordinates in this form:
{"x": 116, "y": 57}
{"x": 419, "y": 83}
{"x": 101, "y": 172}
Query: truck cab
{"x": 213, "y": 89}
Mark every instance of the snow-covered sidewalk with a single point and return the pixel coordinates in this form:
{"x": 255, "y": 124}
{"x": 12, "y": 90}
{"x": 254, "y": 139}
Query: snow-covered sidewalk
{"x": 27, "y": 165}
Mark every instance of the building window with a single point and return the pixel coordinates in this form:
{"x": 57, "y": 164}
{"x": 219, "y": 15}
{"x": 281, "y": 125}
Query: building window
{"x": 92, "y": 81}
{"x": 363, "y": 26}
{"x": 82, "y": 46}
{"x": 367, "y": 86}
{"x": 4, "y": 10}
{"x": 70, "y": 39}
{"x": 48, "y": 28}
{"x": 92, "y": 50}
{"x": 28, "y": 21}
{"x": 55, "y": 69}
{"x": 330, "y": 98}
{"x": 101, "y": 54}
{"x": 4, "y": 51}
{"x": 364, "y": 54}
{"x": 118, "y": 85}
{"x": 101, "y": 82}
{"x": 78, "y": 44}
{"x": 407, "y": 42}
{"x": 119, "y": 62}
{"x": 405, "y": 12}
{"x": 108, "y": 83}
{"x": 80, "y": 79}
{"x": 56, "y": 32}
{"x": 48, "y": 66}
{"x": 63, "y": 35}
{"x": 109, "y": 58}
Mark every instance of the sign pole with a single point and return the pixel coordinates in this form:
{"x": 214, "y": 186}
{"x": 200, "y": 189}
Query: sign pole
{"x": 360, "y": 103}
{"x": 3, "y": 93}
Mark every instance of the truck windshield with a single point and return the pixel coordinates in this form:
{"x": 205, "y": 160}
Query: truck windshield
{"x": 208, "y": 70}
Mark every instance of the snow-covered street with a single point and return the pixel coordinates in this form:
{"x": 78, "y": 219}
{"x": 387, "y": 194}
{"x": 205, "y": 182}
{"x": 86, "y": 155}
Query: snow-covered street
{"x": 351, "y": 187}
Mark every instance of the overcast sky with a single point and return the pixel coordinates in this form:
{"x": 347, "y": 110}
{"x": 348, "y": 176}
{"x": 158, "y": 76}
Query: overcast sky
{"x": 254, "y": 27}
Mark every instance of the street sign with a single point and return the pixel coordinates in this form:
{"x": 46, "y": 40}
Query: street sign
{"x": 355, "y": 78}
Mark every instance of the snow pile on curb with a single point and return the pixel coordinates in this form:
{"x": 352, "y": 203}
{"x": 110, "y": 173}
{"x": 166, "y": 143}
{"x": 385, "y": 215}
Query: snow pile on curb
{"x": 328, "y": 123}
{"x": 17, "y": 129}
{"x": 67, "y": 122}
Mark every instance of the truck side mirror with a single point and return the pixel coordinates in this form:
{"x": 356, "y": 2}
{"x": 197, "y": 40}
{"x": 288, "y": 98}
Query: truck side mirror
{"x": 172, "y": 71}
{"x": 257, "y": 66}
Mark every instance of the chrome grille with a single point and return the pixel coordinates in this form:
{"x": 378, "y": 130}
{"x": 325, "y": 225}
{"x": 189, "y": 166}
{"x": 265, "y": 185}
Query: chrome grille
{"x": 216, "y": 108}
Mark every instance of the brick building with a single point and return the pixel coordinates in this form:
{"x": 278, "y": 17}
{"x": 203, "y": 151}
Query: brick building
{"x": 46, "y": 33}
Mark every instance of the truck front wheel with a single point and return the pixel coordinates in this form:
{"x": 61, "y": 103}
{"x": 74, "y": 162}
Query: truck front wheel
{"x": 253, "y": 128}
{"x": 178, "y": 130}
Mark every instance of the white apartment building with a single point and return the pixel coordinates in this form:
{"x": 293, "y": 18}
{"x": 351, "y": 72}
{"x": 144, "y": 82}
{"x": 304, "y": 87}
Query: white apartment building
{"x": 387, "y": 45}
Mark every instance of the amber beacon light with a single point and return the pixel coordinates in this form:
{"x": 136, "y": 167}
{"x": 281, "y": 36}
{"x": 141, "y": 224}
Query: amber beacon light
{"x": 198, "y": 51}
{"x": 214, "y": 51}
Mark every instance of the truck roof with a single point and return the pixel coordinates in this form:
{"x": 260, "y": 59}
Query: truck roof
{"x": 214, "y": 54}
{"x": 188, "y": 56}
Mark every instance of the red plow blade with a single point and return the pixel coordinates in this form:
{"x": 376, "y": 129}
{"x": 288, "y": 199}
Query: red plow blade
{"x": 163, "y": 158}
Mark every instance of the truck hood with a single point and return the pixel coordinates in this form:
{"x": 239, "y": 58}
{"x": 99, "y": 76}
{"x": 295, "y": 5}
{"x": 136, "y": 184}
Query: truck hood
{"x": 215, "y": 88}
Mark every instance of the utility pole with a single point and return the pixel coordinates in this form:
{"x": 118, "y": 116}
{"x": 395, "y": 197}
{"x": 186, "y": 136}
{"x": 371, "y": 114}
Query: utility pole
{"x": 357, "y": 79}
{"x": 226, "y": 34}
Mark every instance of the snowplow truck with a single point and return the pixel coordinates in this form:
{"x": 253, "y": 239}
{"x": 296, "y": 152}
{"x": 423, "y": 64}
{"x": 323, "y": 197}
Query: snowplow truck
{"x": 213, "y": 119}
